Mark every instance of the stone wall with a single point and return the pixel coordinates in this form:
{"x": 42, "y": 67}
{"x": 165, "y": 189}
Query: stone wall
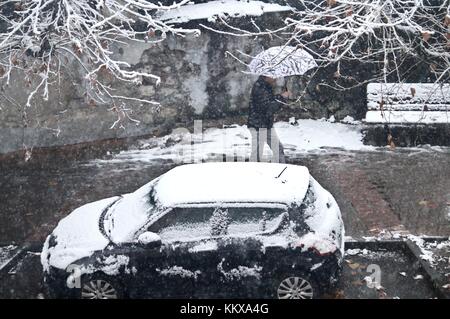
{"x": 199, "y": 81}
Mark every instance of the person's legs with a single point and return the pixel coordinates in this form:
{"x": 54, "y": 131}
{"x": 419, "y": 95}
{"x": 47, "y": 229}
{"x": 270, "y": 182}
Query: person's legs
{"x": 254, "y": 156}
{"x": 275, "y": 145}
{"x": 259, "y": 140}
{"x": 262, "y": 140}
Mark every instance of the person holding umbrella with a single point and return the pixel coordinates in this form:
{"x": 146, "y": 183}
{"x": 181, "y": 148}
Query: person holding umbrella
{"x": 276, "y": 62}
{"x": 262, "y": 108}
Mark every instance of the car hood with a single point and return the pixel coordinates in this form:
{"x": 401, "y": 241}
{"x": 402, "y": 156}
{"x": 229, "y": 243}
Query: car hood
{"x": 93, "y": 226}
{"x": 78, "y": 235}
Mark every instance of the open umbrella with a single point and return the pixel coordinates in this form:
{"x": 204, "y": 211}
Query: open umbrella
{"x": 277, "y": 62}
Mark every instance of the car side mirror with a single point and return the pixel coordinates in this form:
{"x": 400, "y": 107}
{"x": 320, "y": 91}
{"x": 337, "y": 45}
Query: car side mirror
{"x": 149, "y": 239}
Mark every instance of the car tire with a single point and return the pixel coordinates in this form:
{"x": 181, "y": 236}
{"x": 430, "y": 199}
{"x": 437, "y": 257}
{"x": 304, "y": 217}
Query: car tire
{"x": 99, "y": 286}
{"x": 293, "y": 285}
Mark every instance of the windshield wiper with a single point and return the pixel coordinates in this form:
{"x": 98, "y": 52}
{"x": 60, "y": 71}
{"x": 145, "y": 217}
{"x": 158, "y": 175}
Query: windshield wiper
{"x": 101, "y": 220}
{"x": 281, "y": 172}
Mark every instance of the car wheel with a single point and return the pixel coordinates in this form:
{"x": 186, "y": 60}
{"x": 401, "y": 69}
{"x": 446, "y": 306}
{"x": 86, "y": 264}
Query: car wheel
{"x": 100, "y": 287}
{"x": 296, "y": 286}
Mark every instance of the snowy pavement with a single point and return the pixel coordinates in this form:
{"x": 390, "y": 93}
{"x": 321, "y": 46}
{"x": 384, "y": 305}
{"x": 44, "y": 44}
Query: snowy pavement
{"x": 299, "y": 138}
{"x": 306, "y": 136}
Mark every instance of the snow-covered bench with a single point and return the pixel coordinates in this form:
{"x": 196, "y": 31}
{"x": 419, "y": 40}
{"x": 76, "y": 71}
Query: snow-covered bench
{"x": 408, "y": 103}
{"x": 409, "y": 113}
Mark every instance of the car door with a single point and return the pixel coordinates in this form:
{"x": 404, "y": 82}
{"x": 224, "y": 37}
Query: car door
{"x": 241, "y": 249}
{"x": 183, "y": 266}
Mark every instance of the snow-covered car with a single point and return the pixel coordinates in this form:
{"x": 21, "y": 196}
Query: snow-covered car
{"x": 239, "y": 230}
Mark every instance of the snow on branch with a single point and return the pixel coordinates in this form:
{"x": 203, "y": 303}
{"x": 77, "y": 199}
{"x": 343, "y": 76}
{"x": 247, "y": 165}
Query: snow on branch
{"x": 388, "y": 33}
{"x": 38, "y": 37}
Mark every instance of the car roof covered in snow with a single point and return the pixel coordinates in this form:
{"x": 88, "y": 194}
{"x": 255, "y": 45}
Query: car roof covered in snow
{"x": 236, "y": 182}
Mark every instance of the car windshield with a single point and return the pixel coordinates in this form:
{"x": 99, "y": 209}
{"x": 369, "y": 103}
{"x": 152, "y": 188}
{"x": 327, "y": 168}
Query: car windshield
{"x": 129, "y": 213}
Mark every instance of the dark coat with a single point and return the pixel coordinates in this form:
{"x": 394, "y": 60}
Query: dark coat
{"x": 263, "y": 105}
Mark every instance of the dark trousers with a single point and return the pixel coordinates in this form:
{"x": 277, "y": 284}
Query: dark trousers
{"x": 262, "y": 136}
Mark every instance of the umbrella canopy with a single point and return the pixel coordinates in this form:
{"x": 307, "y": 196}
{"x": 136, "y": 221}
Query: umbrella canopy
{"x": 277, "y": 62}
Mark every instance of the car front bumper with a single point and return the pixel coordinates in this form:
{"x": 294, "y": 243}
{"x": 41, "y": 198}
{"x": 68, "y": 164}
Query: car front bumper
{"x": 56, "y": 285}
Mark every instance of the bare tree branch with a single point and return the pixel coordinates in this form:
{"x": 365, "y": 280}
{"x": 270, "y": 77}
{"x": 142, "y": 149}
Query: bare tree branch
{"x": 37, "y": 37}
{"x": 388, "y": 34}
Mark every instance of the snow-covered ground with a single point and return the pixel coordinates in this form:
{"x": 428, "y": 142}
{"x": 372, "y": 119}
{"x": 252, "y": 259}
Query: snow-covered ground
{"x": 305, "y": 136}
{"x": 221, "y": 8}
{"x": 319, "y": 135}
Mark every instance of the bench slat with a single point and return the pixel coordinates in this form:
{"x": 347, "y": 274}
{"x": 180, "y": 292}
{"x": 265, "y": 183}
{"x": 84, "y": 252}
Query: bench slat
{"x": 422, "y": 90}
{"x": 411, "y": 117}
{"x": 375, "y": 106}
{"x": 400, "y": 97}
